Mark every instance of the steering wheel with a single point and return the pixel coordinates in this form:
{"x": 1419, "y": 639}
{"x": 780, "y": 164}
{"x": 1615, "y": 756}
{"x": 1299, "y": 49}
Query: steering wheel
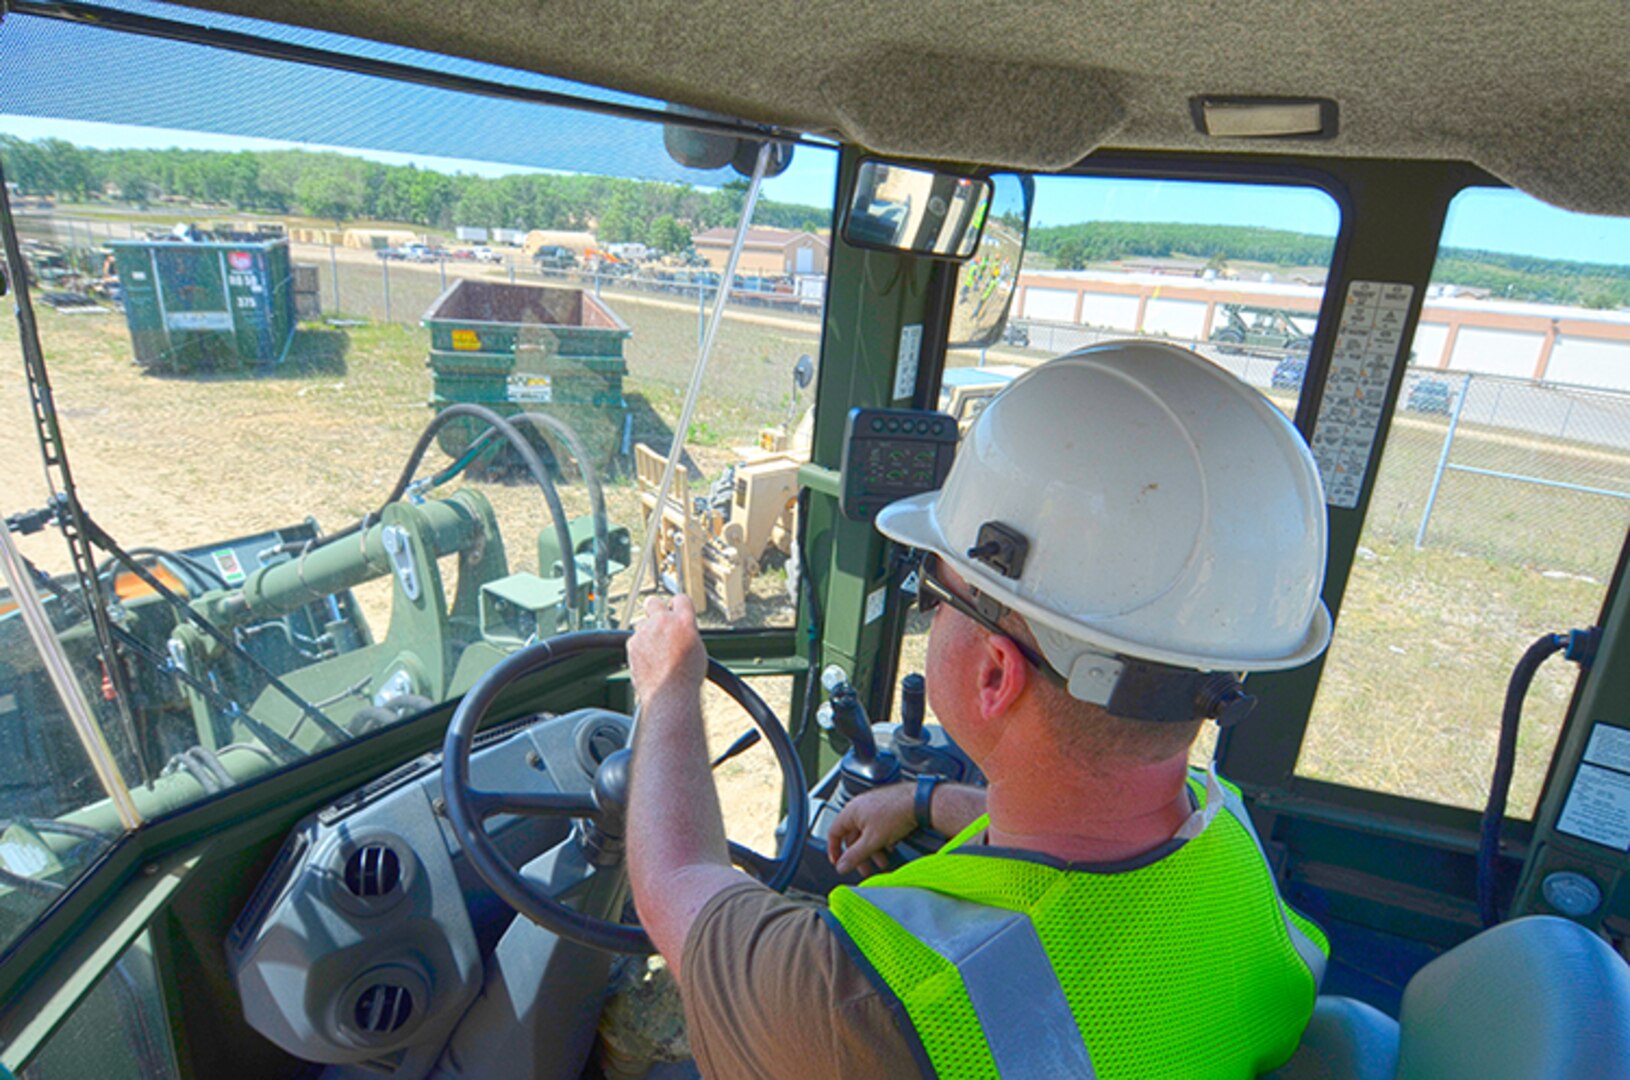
{"x": 468, "y": 807}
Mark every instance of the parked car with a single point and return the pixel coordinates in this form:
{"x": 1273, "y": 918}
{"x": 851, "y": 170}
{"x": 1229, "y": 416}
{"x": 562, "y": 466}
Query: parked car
{"x": 390, "y": 254}
{"x": 486, "y": 255}
{"x": 1430, "y": 396}
{"x": 1015, "y": 334}
{"x": 1289, "y": 373}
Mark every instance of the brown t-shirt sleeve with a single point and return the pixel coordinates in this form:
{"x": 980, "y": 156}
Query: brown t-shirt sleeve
{"x": 771, "y": 991}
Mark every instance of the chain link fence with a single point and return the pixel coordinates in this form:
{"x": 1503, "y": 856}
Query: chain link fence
{"x": 1510, "y": 470}
{"x": 1263, "y": 367}
{"x": 389, "y": 286}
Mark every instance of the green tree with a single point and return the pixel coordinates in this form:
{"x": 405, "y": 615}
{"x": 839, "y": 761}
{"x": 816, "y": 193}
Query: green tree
{"x": 668, "y": 235}
{"x": 336, "y": 188}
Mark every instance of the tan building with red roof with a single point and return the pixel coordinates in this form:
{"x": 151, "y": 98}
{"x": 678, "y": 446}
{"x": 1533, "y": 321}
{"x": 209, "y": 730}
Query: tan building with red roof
{"x": 767, "y": 252}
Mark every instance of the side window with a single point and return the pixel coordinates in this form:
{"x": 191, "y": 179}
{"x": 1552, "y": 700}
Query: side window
{"x": 119, "y": 1031}
{"x": 1234, "y": 271}
{"x": 1499, "y": 509}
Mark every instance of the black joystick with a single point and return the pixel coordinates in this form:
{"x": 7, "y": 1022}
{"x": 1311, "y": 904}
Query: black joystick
{"x": 849, "y": 718}
{"x": 912, "y": 707}
{"x": 864, "y": 767}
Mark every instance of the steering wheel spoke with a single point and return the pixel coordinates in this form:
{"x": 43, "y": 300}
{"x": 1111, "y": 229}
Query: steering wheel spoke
{"x": 485, "y": 804}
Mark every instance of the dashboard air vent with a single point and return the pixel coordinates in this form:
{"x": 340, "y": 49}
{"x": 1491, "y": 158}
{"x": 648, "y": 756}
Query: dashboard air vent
{"x": 372, "y": 871}
{"x": 383, "y": 1008}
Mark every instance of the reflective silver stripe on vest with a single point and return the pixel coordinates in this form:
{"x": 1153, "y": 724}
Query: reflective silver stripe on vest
{"x": 1306, "y": 947}
{"x": 1028, "y": 1023}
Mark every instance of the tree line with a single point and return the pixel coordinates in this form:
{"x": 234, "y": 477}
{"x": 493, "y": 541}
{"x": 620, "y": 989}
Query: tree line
{"x": 1508, "y": 276}
{"x": 339, "y": 188}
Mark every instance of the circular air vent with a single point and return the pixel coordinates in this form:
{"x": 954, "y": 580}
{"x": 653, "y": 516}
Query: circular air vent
{"x": 383, "y": 1008}
{"x": 372, "y": 871}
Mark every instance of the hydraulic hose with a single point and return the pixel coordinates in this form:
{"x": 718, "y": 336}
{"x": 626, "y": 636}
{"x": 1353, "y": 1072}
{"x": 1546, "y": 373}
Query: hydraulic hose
{"x": 1581, "y": 648}
{"x": 188, "y": 562}
{"x": 528, "y": 456}
{"x": 597, "y": 507}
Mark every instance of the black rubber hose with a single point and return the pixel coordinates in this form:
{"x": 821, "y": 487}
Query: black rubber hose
{"x": 529, "y": 457}
{"x": 201, "y": 569}
{"x": 1505, "y": 760}
{"x": 597, "y": 507}
{"x": 806, "y": 585}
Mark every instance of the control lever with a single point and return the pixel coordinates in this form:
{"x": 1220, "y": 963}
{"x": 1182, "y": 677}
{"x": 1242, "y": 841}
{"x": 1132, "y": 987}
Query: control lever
{"x": 849, "y": 718}
{"x": 912, "y": 708}
{"x": 908, "y": 736}
{"x": 864, "y": 766}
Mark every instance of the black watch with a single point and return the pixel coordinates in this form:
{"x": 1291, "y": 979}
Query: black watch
{"x": 923, "y": 804}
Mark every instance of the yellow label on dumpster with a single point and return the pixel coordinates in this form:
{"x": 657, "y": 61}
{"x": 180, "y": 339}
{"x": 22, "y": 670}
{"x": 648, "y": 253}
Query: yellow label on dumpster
{"x": 466, "y": 341}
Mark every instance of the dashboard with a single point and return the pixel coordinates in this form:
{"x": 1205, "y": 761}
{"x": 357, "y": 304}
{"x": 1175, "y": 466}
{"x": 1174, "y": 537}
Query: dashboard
{"x": 364, "y": 942}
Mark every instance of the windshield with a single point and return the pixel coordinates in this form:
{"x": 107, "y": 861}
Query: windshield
{"x": 364, "y": 386}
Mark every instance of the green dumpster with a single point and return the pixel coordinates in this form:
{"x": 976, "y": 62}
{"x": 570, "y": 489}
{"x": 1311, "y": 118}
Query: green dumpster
{"x": 520, "y": 348}
{"x": 206, "y": 305}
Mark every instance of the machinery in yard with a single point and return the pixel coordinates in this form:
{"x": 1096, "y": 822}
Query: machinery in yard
{"x": 260, "y": 640}
{"x": 1272, "y": 330}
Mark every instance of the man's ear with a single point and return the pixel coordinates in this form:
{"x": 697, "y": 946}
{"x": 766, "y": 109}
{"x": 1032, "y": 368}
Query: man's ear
{"x": 1004, "y": 674}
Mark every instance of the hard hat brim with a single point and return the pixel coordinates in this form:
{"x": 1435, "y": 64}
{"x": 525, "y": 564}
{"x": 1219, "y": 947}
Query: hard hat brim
{"x": 913, "y": 522}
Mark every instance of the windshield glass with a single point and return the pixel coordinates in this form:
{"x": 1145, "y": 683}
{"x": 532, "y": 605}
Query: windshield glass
{"x": 369, "y": 384}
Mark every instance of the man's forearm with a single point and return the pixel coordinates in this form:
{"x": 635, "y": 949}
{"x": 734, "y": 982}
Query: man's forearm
{"x": 674, "y": 809}
{"x": 955, "y": 807}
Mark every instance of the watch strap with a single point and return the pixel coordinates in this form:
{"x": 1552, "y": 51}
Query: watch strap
{"x": 923, "y": 803}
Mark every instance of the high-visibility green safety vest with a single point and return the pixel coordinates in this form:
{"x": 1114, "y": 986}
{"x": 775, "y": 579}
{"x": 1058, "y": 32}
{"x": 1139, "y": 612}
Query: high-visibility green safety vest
{"x": 1186, "y": 963}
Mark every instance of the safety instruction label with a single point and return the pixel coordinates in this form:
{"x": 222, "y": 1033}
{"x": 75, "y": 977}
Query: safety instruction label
{"x": 226, "y": 561}
{"x": 1369, "y": 342}
{"x": 874, "y": 605}
{"x": 905, "y": 366}
{"x": 1598, "y": 807}
{"x": 1609, "y": 747}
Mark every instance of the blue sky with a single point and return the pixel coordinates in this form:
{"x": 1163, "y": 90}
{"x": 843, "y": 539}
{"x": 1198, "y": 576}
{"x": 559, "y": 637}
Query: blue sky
{"x": 194, "y": 97}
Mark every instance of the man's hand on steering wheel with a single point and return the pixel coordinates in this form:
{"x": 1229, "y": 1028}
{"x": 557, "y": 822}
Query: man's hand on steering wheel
{"x": 667, "y": 649}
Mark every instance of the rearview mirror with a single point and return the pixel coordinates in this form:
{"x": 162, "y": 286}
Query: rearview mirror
{"x": 904, "y": 208}
{"x": 985, "y": 283}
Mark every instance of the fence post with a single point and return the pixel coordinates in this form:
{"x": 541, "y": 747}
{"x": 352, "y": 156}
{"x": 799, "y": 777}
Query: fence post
{"x": 1443, "y": 462}
{"x": 334, "y": 270}
{"x": 510, "y": 259}
{"x": 441, "y": 265}
{"x": 701, "y": 314}
{"x": 385, "y": 272}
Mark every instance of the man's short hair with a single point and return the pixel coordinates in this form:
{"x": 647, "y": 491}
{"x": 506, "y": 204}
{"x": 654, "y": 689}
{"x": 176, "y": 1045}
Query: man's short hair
{"x": 1093, "y": 738}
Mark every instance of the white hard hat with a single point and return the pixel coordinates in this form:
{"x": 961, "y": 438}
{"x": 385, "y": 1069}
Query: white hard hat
{"x": 1164, "y": 512}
